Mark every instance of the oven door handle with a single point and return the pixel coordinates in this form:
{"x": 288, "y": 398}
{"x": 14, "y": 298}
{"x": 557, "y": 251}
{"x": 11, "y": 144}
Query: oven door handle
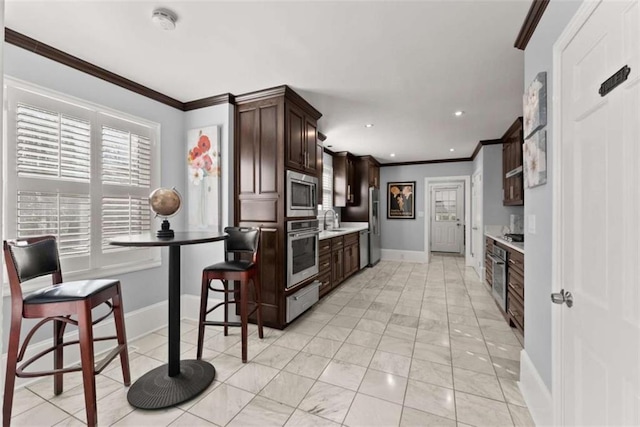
{"x": 496, "y": 260}
{"x": 306, "y": 234}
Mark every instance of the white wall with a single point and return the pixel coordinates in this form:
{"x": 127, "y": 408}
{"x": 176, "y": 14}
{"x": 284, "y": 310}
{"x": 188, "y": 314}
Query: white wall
{"x": 408, "y": 234}
{"x": 195, "y": 258}
{"x": 538, "y": 200}
{"x": 143, "y": 288}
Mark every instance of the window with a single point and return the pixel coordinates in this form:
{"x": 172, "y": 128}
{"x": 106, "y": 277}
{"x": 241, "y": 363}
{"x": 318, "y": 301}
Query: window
{"x": 327, "y": 182}
{"x": 81, "y": 173}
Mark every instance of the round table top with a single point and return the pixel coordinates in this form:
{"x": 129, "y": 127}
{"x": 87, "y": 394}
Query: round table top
{"x": 181, "y": 238}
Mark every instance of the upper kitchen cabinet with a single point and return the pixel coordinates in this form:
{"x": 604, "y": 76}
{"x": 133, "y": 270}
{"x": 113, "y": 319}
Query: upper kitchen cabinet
{"x": 344, "y": 180}
{"x": 367, "y": 172}
{"x": 512, "y": 173}
{"x": 301, "y": 139}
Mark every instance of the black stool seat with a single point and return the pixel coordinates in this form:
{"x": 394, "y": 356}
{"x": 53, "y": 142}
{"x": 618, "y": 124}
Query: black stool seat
{"x": 232, "y": 265}
{"x": 69, "y": 291}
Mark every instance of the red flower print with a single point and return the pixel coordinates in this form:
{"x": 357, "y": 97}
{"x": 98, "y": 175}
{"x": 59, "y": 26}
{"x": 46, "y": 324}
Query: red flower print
{"x": 204, "y": 144}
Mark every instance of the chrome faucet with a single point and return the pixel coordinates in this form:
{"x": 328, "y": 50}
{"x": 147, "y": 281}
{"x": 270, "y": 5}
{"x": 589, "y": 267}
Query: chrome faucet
{"x": 324, "y": 223}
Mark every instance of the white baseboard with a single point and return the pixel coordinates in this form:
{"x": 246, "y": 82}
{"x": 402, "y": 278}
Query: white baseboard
{"x": 138, "y": 323}
{"x": 398, "y": 255}
{"x": 535, "y": 392}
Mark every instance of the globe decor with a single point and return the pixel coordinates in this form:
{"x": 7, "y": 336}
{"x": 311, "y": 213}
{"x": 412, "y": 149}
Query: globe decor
{"x": 165, "y": 203}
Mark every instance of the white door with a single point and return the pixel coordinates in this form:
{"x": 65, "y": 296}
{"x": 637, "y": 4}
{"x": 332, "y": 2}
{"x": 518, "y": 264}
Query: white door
{"x": 477, "y": 240}
{"x": 447, "y": 218}
{"x": 597, "y": 219}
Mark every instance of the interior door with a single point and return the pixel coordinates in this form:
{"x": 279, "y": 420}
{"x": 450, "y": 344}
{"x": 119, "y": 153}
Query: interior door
{"x": 447, "y": 220}
{"x": 597, "y": 220}
{"x": 477, "y": 240}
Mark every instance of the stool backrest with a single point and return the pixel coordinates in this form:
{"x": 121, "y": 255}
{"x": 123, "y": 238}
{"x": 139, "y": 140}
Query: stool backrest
{"x": 29, "y": 258}
{"x": 241, "y": 240}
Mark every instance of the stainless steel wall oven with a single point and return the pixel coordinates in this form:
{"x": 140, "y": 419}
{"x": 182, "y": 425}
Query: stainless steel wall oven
{"x": 302, "y": 250}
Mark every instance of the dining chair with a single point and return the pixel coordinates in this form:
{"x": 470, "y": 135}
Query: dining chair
{"x": 34, "y": 257}
{"x": 241, "y": 265}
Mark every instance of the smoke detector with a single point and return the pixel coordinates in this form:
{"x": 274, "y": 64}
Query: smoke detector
{"x": 164, "y": 18}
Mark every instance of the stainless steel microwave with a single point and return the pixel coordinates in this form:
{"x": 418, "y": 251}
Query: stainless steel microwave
{"x": 302, "y": 195}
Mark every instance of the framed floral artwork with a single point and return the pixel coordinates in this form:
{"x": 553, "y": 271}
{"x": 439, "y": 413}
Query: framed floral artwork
{"x": 203, "y": 187}
{"x": 401, "y": 200}
{"x": 535, "y": 160}
{"x": 535, "y": 105}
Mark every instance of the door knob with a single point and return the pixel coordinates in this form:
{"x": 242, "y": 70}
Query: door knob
{"x": 562, "y": 297}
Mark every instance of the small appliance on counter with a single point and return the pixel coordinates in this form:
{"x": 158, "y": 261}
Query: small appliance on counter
{"x": 513, "y": 237}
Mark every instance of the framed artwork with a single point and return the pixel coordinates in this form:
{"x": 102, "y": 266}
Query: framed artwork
{"x": 203, "y": 187}
{"x": 534, "y": 155}
{"x": 535, "y": 105}
{"x": 401, "y": 202}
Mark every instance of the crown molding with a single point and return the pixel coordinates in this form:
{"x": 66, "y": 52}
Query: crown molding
{"x": 32, "y": 45}
{"x": 225, "y": 98}
{"x": 530, "y": 23}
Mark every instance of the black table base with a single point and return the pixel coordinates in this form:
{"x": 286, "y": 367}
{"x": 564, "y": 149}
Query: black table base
{"x": 156, "y": 389}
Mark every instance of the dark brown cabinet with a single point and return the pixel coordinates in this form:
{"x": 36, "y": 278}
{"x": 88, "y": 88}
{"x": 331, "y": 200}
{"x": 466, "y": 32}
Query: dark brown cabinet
{"x": 512, "y": 170}
{"x": 339, "y": 259}
{"x": 488, "y": 265}
{"x": 367, "y": 174}
{"x": 351, "y": 254}
{"x": 344, "y": 180}
{"x": 324, "y": 268}
{"x": 301, "y": 142}
{"x": 271, "y": 133}
{"x": 515, "y": 290}
{"x": 515, "y": 281}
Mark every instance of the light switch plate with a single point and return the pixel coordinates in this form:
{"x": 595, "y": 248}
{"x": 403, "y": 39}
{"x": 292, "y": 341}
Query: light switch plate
{"x": 531, "y": 224}
{"x": 420, "y": 214}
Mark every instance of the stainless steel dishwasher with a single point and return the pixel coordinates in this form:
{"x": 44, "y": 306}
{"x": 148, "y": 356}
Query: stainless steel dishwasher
{"x": 364, "y": 248}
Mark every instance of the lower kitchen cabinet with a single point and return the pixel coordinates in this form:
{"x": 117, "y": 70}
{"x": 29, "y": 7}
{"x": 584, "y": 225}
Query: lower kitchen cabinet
{"x": 339, "y": 258}
{"x": 515, "y": 281}
{"x": 324, "y": 268}
{"x": 515, "y": 290}
{"x": 488, "y": 265}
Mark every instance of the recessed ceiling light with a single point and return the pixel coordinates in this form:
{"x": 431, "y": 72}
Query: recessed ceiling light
{"x": 164, "y": 18}
{"x": 369, "y": 125}
{"x": 452, "y": 149}
{"x": 458, "y": 113}
{"x": 392, "y": 154}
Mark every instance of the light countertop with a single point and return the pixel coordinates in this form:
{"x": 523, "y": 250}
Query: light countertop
{"x": 345, "y": 228}
{"x": 518, "y": 246}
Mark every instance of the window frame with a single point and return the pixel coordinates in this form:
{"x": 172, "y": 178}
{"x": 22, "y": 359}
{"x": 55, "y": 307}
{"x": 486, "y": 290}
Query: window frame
{"x": 96, "y": 263}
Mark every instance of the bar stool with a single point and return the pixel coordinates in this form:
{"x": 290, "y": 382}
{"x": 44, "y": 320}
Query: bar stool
{"x": 33, "y": 257}
{"x": 242, "y": 241}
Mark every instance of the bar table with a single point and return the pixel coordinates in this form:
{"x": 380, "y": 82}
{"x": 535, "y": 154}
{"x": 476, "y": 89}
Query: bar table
{"x": 179, "y": 380}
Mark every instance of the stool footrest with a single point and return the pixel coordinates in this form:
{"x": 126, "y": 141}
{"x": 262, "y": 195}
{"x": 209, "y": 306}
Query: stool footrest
{"x": 214, "y": 323}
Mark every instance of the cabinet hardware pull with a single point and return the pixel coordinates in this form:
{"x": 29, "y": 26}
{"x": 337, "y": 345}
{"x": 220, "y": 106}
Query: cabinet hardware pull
{"x": 512, "y": 261}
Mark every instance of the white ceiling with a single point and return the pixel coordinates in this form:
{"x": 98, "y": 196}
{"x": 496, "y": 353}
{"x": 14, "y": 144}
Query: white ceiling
{"x": 403, "y": 66}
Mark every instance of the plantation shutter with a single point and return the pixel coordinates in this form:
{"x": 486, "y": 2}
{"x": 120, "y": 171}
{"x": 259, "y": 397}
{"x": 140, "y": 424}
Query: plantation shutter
{"x": 81, "y": 173}
{"x": 327, "y": 182}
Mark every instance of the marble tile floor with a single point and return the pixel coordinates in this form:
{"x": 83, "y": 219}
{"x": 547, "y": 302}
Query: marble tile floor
{"x": 400, "y": 344}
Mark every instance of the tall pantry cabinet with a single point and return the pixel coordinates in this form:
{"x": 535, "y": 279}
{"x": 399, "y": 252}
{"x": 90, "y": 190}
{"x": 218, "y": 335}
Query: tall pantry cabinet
{"x": 275, "y": 130}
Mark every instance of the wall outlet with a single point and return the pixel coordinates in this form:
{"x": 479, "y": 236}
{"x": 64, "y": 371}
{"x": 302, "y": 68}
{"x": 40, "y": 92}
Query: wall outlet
{"x": 531, "y": 224}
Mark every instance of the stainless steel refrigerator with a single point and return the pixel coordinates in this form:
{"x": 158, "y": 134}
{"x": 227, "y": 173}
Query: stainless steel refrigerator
{"x": 374, "y": 226}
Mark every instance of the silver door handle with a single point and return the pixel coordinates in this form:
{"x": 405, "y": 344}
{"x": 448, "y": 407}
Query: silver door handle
{"x": 562, "y": 297}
